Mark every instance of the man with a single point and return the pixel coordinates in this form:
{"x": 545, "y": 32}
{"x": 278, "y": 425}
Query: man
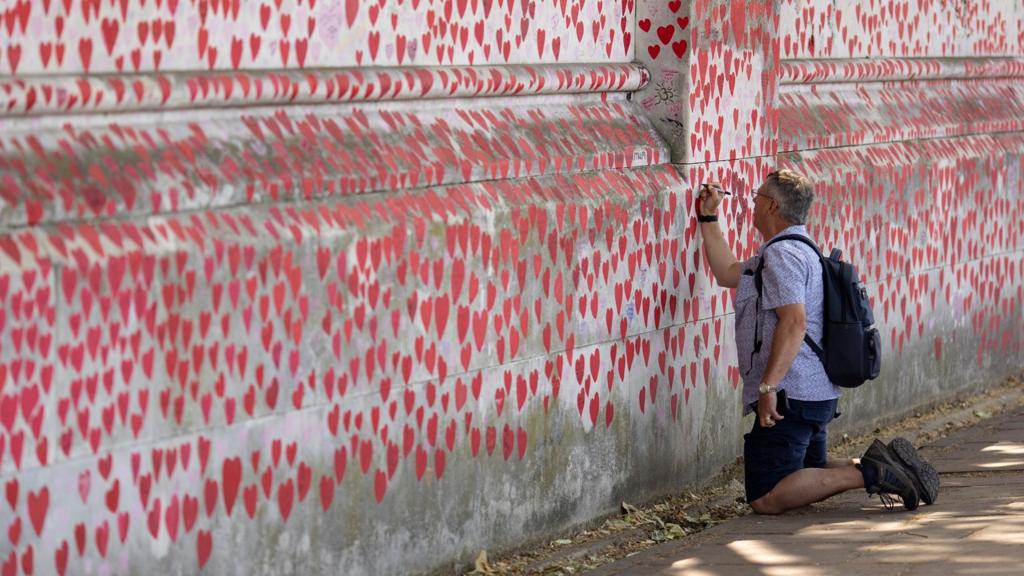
{"x": 785, "y": 454}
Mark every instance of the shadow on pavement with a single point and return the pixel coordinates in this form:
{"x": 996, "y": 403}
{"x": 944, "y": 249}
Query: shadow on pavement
{"x": 976, "y": 527}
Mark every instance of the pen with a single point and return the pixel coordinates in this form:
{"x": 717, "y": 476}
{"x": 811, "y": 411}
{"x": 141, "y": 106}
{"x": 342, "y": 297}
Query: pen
{"x": 720, "y": 190}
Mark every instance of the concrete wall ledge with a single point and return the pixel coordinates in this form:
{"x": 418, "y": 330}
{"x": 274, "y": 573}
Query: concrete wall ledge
{"x": 897, "y": 101}
{"x": 119, "y": 93}
{"x": 861, "y": 70}
{"x": 132, "y": 166}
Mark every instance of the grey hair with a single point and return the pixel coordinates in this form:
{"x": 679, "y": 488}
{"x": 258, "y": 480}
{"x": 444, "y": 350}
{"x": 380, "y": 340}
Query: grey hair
{"x": 794, "y": 192}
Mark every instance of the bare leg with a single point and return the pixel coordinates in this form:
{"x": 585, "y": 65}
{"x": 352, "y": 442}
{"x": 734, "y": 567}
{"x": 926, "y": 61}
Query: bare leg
{"x": 841, "y": 462}
{"x": 808, "y": 486}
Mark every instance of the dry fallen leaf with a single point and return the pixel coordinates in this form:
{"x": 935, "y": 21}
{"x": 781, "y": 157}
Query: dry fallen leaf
{"x": 481, "y": 566}
{"x": 674, "y": 530}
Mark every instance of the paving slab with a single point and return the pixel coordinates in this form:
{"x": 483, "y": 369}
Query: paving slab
{"x": 976, "y": 527}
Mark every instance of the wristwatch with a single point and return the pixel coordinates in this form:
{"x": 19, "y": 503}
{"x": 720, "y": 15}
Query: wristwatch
{"x": 766, "y": 389}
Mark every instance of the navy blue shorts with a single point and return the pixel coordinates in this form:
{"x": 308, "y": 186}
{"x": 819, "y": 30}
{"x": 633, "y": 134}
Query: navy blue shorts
{"x": 798, "y": 441}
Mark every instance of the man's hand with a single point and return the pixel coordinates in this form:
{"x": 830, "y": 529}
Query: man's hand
{"x": 723, "y": 262}
{"x": 767, "y": 414}
{"x": 709, "y": 199}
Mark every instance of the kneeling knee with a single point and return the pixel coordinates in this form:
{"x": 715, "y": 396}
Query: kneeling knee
{"x": 764, "y": 505}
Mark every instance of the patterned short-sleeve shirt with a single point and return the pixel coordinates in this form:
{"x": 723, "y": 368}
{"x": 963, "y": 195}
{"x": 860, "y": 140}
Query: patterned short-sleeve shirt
{"x": 791, "y": 275}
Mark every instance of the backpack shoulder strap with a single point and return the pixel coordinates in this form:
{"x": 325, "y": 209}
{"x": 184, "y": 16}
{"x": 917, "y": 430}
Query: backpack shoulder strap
{"x": 798, "y": 237}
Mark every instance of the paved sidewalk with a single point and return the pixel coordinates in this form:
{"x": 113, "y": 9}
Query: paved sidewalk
{"x": 976, "y": 526}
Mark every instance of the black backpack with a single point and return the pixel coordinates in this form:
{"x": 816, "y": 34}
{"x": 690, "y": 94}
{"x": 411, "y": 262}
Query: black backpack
{"x": 851, "y": 349}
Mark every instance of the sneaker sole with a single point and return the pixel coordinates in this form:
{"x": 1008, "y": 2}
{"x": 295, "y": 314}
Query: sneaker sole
{"x": 925, "y": 474}
{"x": 885, "y": 457}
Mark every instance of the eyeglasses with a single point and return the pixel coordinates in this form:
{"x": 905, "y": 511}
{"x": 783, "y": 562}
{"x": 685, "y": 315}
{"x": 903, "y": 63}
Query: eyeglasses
{"x": 765, "y": 195}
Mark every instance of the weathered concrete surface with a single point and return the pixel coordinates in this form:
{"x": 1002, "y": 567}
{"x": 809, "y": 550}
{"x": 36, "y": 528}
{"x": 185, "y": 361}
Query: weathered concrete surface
{"x": 293, "y": 414}
{"x": 315, "y": 382}
{"x": 976, "y": 526}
